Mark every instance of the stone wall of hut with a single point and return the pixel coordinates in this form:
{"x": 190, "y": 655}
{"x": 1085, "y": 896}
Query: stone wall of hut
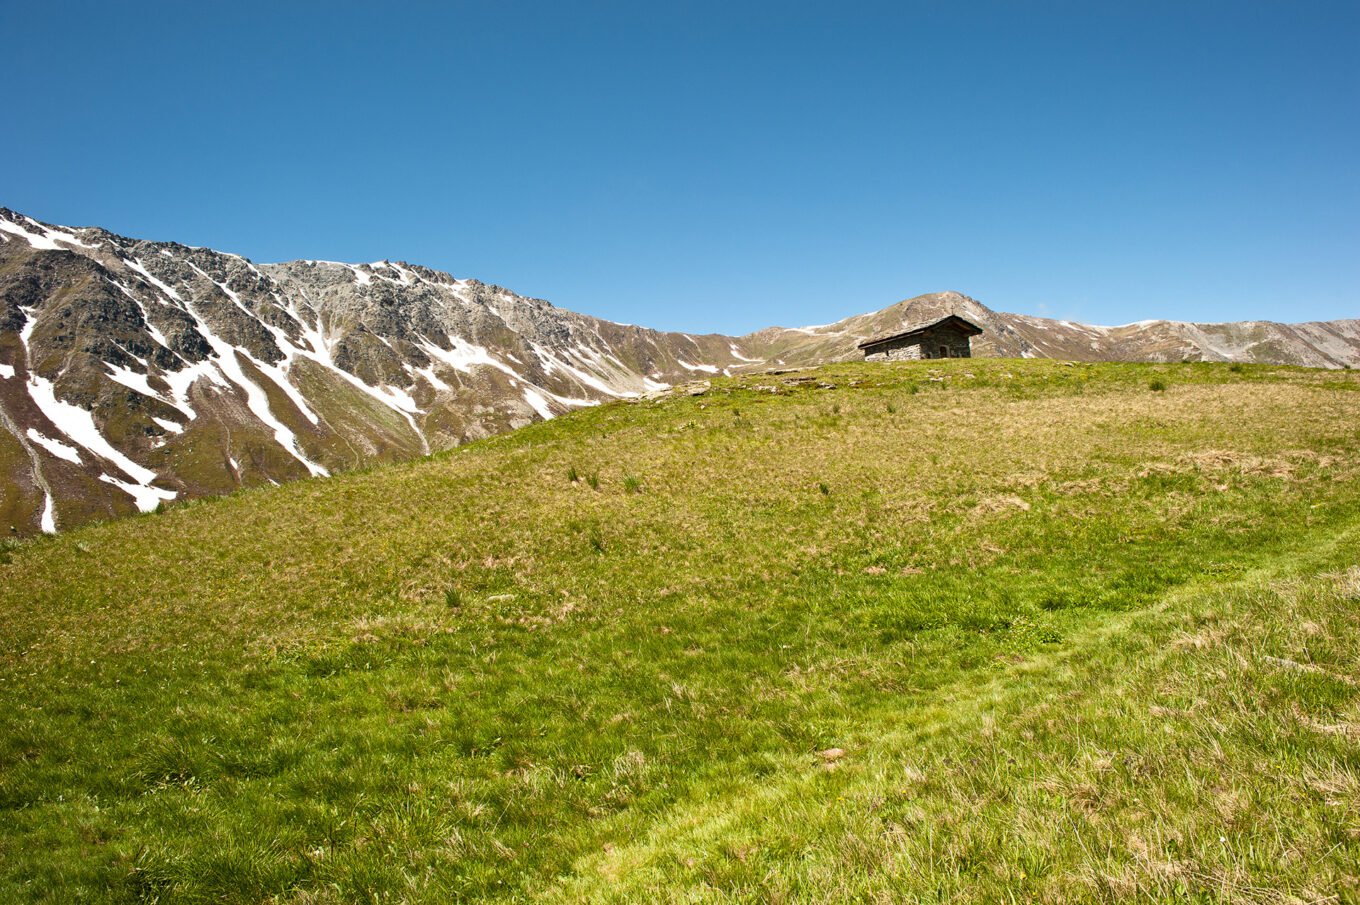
{"x": 955, "y": 343}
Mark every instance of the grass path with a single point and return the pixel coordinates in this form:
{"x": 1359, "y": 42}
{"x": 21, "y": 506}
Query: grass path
{"x": 1052, "y": 780}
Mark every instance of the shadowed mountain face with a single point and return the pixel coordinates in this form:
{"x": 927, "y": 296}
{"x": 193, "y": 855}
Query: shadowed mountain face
{"x": 134, "y": 373}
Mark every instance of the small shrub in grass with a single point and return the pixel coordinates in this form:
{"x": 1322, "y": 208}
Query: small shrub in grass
{"x": 631, "y": 484}
{"x": 892, "y": 409}
{"x": 572, "y": 476}
{"x": 593, "y": 479}
{"x": 913, "y": 389}
{"x": 826, "y": 491}
{"x": 1157, "y": 386}
{"x": 1236, "y": 367}
{"x": 452, "y": 599}
{"x": 596, "y": 541}
{"x": 835, "y": 408}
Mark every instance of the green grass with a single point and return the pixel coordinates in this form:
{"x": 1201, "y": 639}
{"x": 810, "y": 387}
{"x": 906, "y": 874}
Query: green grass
{"x": 1078, "y": 641}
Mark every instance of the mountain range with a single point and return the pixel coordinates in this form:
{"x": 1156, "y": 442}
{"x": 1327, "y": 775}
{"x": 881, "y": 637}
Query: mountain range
{"x": 134, "y": 373}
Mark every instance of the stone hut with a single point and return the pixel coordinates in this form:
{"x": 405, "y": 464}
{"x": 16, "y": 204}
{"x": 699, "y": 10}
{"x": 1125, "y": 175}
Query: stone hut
{"x": 948, "y": 337}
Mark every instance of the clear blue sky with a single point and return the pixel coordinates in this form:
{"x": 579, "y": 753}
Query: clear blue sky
{"x": 722, "y": 166}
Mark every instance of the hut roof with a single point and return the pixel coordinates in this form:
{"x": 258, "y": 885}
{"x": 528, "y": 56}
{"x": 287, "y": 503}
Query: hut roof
{"x": 953, "y": 320}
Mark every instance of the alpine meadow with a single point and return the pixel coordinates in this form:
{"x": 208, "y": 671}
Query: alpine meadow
{"x": 415, "y": 488}
{"x": 937, "y": 631}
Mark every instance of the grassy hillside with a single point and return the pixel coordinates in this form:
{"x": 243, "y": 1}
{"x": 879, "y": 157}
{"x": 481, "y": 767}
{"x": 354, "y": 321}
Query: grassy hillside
{"x": 941, "y": 631}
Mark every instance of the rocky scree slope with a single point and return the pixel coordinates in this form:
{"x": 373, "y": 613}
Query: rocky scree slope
{"x": 134, "y": 373}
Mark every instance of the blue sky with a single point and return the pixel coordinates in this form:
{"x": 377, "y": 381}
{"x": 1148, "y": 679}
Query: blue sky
{"x": 722, "y": 166}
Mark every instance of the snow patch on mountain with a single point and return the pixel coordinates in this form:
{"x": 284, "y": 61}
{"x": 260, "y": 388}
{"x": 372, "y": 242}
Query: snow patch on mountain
{"x": 145, "y": 498}
{"x": 78, "y": 425}
{"x": 537, "y": 403}
{"x": 55, "y": 447}
{"x": 140, "y": 383}
{"x": 138, "y": 266}
{"x": 173, "y": 427}
{"x": 464, "y": 356}
{"x": 46, "y": 238}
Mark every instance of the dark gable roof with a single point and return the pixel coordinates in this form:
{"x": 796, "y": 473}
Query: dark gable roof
{"x": 952, "y": 320}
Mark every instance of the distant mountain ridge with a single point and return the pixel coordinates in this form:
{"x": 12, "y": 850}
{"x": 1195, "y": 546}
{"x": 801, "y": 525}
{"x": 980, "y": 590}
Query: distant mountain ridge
{"x": 1321, "y": 344}
{"x": 134, "y": 373}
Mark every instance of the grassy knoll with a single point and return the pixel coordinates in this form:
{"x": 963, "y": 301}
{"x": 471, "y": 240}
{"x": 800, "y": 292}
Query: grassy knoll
{"x": 1081, "y": 633}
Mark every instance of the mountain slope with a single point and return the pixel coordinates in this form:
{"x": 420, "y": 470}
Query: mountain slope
{"x": 134, "y": 373}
